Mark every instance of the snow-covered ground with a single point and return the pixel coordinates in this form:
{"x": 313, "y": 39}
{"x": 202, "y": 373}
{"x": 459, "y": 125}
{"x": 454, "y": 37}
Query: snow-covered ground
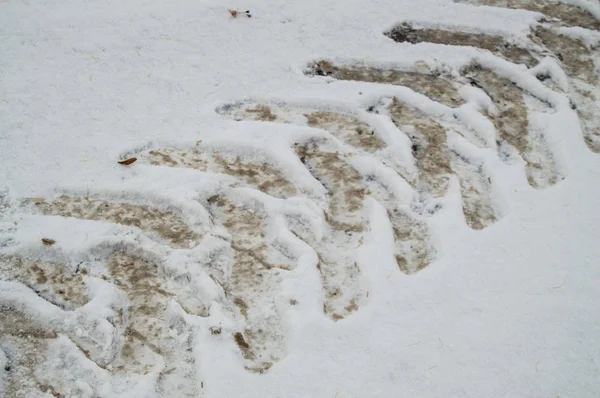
{"x": 316, "y": 210}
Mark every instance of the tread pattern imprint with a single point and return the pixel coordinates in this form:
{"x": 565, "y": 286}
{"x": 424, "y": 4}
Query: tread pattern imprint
{"x": 239, "y": 237}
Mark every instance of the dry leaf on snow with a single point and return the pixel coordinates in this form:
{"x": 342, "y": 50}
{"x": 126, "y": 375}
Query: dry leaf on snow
{"x": 127, "y": 162}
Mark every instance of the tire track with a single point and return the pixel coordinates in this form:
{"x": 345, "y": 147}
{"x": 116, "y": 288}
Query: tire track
{"x": 435, "y": 86}
{"x": 347, "y": 128}
{"x": 436, "y": 162}
{"x": 25, "y": 333}
{"x": 511, "y": 120}
{"x": 575, "y": 56}
{"x": 148, "y": 335}
{"x": 340, "y": 276}
{"x": 166, "y": 226}
{"x": 24, "y": 343}
{"x": 259, "y": 173}
{"x": 252, "y": 283}
{"x": 153, "y": 334}
{"x": 567, "y": 14}
{"x": 347, "y": 189}
{"x": 340, "y": 273}
{"x": 578, "y": 62}
{"x": 406, "y": 33}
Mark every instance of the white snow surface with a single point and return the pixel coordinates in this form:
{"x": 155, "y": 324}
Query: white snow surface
{"x": 508, "y": 311}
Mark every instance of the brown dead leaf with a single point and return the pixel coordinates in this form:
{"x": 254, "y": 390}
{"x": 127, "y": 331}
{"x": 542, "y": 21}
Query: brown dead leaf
{"x": 48, "y": 242}
{"x": 235, "y": 13}
{"x": 127, "y": 162}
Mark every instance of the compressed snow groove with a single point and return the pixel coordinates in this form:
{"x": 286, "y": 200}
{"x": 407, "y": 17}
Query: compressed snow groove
{"x": 150, "y": 331}
{"x": 511, "y": 121}
{"x": 433, "y": 85}
{"x": 436, "y": 161}
{"x": 252, "y": 283}
{"x": 259, "y": 174}
{"x": 347, "y": 128}
{"x": 166, "y": 226}
{"x": 340, "y": 276}
{"x": 22, "y": 338}
{"x": 23, "y": 343}
{"x": 406, "y": 33}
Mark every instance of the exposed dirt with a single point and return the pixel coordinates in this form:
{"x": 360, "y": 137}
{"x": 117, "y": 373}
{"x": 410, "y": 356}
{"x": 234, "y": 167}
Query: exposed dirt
{"x": 150, "y": 332}
{"x": 253, "y": 284}
{"x": 412, "y": 242}
{"x": 574, "y": 55}
{"x": 51, "y": 281}
{"x": 476, "y": 191}
{"x": 428, "y": 146}
{"x": 586, "y": 103}
{"x": 495, "y": 44}
{"x": 344, "y": 216}
{"x": 577, "y": 60}
{"x": 343, "y": 183}
{"x": 339, "y": 280}
{"x": 25, "y": 339}
{"x": 569, "y": 14}
{"x": 511, "y": 121}
{"x": 412, "y": 249}
{"x": 512, "y": 118}
{"x": 345, "y": 127}
{"x": 24, "y": 342}
{"x": 149, "y": 335}
{"x": 434, "y": 86}
{"x": 261, "y": 112}
{"x": 346, "y": 190}
{"x": 164, "y": 224}
{"x": 436, "y": 162}
{"x": 259, "y": 174}
{"x": 262, "y": 175}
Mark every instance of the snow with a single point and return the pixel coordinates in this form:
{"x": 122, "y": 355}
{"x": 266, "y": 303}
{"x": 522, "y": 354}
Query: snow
{"x": 509, "y": 310}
